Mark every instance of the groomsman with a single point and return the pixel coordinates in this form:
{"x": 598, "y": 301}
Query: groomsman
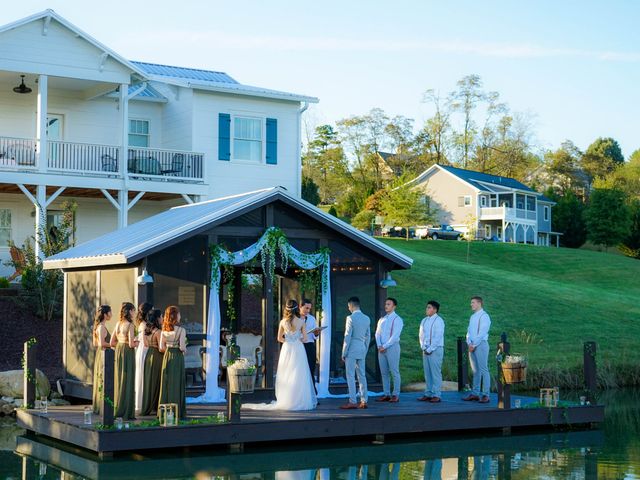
{"x": 478, "y": 342}
{"x": 310, "y": 326}
{"x": 357, "y": 335}
{"x": 431, "y": 336}
{"x": 388, "y": 341}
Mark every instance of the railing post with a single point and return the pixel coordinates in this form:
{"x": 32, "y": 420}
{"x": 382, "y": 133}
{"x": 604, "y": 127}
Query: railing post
{"x": 234, "y": 400}
{"x": 590, "y": 376}
{"x": 29, "y": 394}
{"x": 463, "y": 364}
{"x": 504, "y": 390}
{"x": 108, "y": 370}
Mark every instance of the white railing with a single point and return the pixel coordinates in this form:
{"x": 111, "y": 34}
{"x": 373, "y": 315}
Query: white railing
{"x": 165, "y": 164}
{"x": 492, "y": 211}
{"x": 17, "y": 152}
{"x": 82, "y": 157}
{"x": 506, "y": 213}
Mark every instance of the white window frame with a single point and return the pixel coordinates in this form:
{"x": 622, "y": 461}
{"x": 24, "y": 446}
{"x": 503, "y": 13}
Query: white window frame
{"x": 499, "y": 232}
{"x": 148, "y": 134}
{"x": 487, "y": 230}
{"x": 483, "y": 201}
{"x": 546, "y": 213}
{"x": 467, "y": 200}
{"x": 263, "y": 137}
{"x": 9, "y": 228}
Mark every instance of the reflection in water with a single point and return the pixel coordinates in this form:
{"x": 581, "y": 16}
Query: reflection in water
{"x": 610, "y": 453}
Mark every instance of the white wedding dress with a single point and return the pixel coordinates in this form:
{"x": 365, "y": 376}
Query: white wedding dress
{"x": 294, "y": 387}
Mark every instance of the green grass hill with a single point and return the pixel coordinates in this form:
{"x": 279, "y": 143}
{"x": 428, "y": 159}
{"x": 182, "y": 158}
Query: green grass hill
{"x": 548, "y": 301}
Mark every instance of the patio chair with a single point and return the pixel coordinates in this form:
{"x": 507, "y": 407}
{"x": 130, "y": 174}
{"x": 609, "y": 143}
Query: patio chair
{"x": 194, "y": 362}
{"x": 249, "y": 345}
{"x": 177, "y": 163}
{"x": 109, "y": 164}
{"x": 149, "y": 166}
{"x": 18, "y": 260}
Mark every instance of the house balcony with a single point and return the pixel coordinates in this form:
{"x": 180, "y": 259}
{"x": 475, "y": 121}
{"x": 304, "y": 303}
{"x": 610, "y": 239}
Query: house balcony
{"x": 96, "y": 160}
{"x": 508, "y": 214}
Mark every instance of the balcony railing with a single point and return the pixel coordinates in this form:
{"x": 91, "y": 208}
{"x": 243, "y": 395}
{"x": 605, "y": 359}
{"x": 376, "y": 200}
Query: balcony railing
{"x": 94, "y": 159}
{"x": 17, "y": 152}
{"x": 507, "y": 213}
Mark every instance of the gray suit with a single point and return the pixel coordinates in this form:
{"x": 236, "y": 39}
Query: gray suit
{"x": 357, "y": 336}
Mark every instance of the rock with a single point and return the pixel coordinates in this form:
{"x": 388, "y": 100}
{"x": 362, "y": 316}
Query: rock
{"x": 55, "y": 394}
{"x": 7, "y": 409}
{"x": 8, "y": 399}
{"x": 12, "y": 384}
{"x": 17, "y": 402}
{"x": 56, "y": 402}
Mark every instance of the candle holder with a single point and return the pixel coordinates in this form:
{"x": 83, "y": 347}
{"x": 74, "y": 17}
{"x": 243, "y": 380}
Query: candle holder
{"x": 168, "y": 414}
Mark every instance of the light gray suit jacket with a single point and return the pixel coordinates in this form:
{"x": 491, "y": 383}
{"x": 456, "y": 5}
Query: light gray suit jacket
{"x": 357, "y": 336}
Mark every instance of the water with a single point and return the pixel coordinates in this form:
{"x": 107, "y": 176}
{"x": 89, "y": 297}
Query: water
{"x": 612, "y": 452}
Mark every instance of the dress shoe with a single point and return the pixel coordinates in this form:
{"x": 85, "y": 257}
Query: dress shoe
{"x": 349, "y": 406}
{"x": 424, "y": 398}
{"x": 394, "y": 399}
{"x": 471, "y": 398}
{"x": 384, "y": 398}
{"x": 484, "y": 399}
{"x": 363, "y": 405}
{"x": 435, "y": 400}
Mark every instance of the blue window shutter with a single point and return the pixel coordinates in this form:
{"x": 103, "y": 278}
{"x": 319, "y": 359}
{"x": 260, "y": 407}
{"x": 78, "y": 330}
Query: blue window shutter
{"x": 224, "y": 136}
{"x": 272, "y": 141}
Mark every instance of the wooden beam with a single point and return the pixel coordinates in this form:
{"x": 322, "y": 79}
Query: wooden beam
{"x": 268, "y": 320}
{"x": 232, "y": 231}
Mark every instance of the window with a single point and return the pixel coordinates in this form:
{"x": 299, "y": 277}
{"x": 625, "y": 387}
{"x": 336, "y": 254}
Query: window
{"x": 487, "y": 231}
{"x": 546, "y": 213}
{"x": 464, "y": 201}
{"x": 247, "y": 139}
{"x": 54, "y": 220}
{"x": 5, "y": 227}
{"x": 499, "y": 232}
{"x": 494, "y": 201}
{"x": 483, "y": 201}
{"x": 138, "y": 133}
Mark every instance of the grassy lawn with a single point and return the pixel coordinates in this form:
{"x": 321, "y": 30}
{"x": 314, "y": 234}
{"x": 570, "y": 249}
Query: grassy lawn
{"x": 547, "y": 300}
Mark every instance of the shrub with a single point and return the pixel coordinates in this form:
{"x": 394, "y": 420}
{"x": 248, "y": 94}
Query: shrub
{"x": 4, "y": 282}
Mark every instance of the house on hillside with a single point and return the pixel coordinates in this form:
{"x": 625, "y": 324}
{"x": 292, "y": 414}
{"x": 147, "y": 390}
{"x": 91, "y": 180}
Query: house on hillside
{"x": 126, "y": 139}
{"x": 501, "y": 207}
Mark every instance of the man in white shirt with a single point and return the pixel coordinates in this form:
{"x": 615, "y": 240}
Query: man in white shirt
{"x": 478, "y": 342}
{"x": 388, "y": 341}
{"x": 310, "y": 326}
{"x": 431, "y": 335}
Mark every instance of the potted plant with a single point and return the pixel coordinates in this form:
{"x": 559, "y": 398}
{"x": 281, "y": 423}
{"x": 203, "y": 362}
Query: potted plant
{"x": 241, "y": 373}
{"x": 514, "y": 368}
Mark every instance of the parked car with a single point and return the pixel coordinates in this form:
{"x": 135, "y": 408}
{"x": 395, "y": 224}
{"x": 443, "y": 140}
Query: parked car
{"x": 444, "y": 232}
{"x": 398, "y": 232}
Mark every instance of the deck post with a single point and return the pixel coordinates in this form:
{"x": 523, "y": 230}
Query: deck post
{"x": 463, "y": 467}
{"x": 590, "y": 378}
{"x": 108, "y": 369}
{"x": 463, "y": 364}
{"x": 29, "y": 394}
{"x": 234, "y": 404}
{"x": 504, "y": 390}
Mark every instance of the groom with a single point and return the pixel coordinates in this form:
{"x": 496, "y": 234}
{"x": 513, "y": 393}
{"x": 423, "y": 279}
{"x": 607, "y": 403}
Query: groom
{"x": 357, "y": 336}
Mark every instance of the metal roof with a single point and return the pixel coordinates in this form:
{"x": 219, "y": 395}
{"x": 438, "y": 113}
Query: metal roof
{"x": 183, "y": 72}
{"x": 473, "y": 177}
{"x": 129, "y": 244}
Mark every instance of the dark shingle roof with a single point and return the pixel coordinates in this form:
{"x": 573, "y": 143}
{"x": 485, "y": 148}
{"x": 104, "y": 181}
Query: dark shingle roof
{"x": 182, "y": 72}
{"x": 473, "y": 177}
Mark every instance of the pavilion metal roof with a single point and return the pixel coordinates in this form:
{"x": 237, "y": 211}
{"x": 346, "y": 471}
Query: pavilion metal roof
{"x": 130, "y": 244}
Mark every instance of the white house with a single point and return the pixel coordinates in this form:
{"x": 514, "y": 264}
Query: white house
{"x": 499, "y": 207}
{"x": 126, "y": 139}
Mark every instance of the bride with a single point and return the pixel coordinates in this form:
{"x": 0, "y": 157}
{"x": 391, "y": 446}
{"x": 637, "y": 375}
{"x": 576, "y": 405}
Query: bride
{"x": 294, "y": 387}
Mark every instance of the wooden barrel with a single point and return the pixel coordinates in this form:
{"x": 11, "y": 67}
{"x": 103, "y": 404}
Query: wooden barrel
{"x": 514, "y": 372}
{"x": 241, "y": 380}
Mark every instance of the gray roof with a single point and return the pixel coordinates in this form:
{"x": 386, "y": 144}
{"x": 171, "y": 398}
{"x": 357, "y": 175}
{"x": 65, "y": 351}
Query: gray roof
{"x": 474, "y": 177}
{"x": 129, "y": 244}
{"x": 183, "y": 72}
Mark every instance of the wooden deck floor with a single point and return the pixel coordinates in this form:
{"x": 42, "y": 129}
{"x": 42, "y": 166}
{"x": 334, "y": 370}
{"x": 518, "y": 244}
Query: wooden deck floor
{"x": 406, "y": 417}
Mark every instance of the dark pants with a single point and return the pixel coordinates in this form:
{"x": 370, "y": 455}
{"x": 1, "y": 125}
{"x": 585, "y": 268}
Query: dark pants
{"x": 310, "y": 348}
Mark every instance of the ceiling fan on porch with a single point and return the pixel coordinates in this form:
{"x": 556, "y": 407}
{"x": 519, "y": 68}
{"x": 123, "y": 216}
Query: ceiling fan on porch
{"x": 22, "y": 88}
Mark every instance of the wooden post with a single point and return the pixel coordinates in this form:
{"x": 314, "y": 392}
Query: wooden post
{"x": 234, "y": 404}
{"x": 590, "y": 380}
{"x": 463, "y": 364}
{"x": 463, "y": 467}
{"x": 29, "y": 394}
{"x": 504, "y": 390}
{"x": 108, "y": 370}
{"x": 268, "y": 320}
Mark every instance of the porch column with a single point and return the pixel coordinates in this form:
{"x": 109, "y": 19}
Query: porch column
{"x": 41, "y": 122}
{"x": 124, "y": 130}
{"x": 41, "y": 219}
{"x": 504, "y": 232}
{"x": 123, "y": 208}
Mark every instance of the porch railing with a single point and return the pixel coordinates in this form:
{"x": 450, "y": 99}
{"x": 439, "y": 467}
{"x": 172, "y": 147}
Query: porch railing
{"x": 506, "y": 213}
{"x": 82, "y": 157}
{"x": 17, "y": 152}
{"x": 165, "y": 164}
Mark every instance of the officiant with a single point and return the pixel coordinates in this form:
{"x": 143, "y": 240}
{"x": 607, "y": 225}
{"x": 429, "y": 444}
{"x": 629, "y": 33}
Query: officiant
{"x": 312, "y": 329}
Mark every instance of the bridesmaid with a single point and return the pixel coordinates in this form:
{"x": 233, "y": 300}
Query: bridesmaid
{"x": 173, "y": 342}
{"x": 141, "y": 351}
{"x": 152, "y": 364}
{"x": 125, "y": 343}
{"x": 100, "y": 334}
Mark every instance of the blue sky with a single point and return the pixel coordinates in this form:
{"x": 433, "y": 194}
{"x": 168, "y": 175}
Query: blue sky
{"x": 573, "y": 65}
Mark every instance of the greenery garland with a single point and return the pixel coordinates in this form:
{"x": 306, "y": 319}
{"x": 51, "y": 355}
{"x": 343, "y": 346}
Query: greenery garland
{"x": 30, "y": 377}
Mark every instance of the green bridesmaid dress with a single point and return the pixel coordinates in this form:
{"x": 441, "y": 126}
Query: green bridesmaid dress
{"x": 125, "y": 376}
{"x": 97, "y": 376}
{"x": 152, "y": 376}
{"x": 172, "y": 383}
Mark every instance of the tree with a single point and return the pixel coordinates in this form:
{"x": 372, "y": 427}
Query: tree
{"x": 437, "y": 128}
{"x": 607, "y": 216}
{"x": 602, "y": 157}
{"x": 332, "y": 211}
{"x": 568, "y": 218}
{"x": 630, "y": 245}
{"x": 563, "y": 170}
{"x": 364, "y": 219}
{"x": 404, "y": 206}
{"x": 310, "y": 191}
{"x": 465, "y": 100}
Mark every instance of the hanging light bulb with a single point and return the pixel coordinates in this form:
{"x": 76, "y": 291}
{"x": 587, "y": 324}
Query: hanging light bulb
{"x": 22, "y": 88}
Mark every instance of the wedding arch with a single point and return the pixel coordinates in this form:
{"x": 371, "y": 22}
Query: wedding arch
{"x": 273, "y": 245}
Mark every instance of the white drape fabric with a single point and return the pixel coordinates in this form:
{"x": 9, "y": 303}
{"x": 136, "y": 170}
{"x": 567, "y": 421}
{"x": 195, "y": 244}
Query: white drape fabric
{"x": 307, "y": 261}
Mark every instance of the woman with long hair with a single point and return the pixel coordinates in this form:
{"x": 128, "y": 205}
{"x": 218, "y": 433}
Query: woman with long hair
{"x": 152, "y": 364}
{"x": 124, "y": 341}
{"x": 100, "y": 342}
{"x": 141, "y": 351}
{"x": 173, "y": 343}
{"x": 294, "y": 386}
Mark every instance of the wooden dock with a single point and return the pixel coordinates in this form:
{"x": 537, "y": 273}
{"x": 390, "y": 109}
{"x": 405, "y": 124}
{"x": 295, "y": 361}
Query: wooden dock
{"x": 65, "y": 424}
